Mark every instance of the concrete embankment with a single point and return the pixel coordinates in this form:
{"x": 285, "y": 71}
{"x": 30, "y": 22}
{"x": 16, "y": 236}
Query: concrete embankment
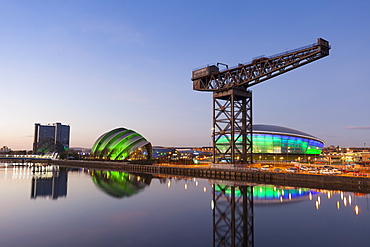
{"x": 238, "y": 176}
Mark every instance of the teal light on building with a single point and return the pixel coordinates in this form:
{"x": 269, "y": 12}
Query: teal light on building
{"x": 271, "y": 139}
{"x": 121, "y": 144}
{"x": 267, "y": 194}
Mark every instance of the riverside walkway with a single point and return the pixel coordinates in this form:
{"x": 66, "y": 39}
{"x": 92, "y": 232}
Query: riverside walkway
{"x": 236, "y": 175}
{"x": 25, "y": 158}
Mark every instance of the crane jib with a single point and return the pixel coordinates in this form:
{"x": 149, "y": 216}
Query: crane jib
{"x": 210, "y": 78}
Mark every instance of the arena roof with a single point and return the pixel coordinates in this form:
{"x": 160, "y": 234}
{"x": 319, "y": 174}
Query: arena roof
{"x": 280, "y": 130}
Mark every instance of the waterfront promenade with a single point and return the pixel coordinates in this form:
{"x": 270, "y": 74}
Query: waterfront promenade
{"x": 235, "y": 175}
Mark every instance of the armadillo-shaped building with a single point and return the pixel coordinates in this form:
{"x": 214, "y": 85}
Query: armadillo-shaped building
{"x": 121, "y": 144}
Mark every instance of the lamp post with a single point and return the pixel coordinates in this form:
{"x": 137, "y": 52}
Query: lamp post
{"x": 288, "y": 150}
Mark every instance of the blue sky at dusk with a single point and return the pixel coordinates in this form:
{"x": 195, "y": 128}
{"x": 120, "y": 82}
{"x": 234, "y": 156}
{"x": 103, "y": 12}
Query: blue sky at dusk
{"x": 98, "y": 65}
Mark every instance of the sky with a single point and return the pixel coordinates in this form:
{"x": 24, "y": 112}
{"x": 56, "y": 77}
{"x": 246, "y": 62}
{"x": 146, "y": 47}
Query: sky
{"x": 98, "y": 65}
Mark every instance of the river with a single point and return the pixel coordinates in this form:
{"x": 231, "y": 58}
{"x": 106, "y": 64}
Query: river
{"x": 59, "y": 206}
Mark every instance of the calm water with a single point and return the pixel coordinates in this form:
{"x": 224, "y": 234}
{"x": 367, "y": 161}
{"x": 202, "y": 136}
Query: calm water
{"x": 64, "y": 207}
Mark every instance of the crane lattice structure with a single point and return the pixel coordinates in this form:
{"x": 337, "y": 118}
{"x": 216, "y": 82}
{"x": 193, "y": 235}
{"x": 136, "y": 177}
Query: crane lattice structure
{"x": 233, "y": 217}
{"x": 232, "y": 101}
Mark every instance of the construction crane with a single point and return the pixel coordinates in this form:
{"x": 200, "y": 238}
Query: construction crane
{"x": 232, "y": 101}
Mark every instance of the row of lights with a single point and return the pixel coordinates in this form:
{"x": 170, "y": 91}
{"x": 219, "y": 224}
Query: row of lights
{"x": 345, "y": 200}
{"x": 186, "y": 184}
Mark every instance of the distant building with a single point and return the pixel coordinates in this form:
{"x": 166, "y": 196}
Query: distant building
{"x": 163, "y": 152}
{"x": 5, "y": 149}
{"x": 51, "y": 138}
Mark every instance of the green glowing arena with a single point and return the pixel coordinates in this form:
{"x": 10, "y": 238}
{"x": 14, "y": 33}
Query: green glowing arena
{"x": 122, "y": 144}
{"x": 272, "y": 139}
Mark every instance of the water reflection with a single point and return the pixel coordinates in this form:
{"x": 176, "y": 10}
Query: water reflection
{"x": 49, "y": 182}
{"x": 120, "y": 184}
{"x": 233, "y": 223}
{"x": 268, "y": 194}
{"x": 346, "y": 199}
{"x": 240, "y": 214}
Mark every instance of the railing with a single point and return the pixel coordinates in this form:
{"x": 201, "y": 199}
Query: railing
{"x": 27, "y": 156}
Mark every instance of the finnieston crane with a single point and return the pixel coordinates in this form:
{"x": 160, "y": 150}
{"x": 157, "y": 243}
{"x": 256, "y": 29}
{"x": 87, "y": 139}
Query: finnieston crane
{"x": 232, "y": 101}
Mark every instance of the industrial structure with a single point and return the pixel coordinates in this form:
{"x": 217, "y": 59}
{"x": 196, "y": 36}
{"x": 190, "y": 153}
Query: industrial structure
{"x": 232, "y": 101}
{"x": 51, "y": 138}
{"x": 122, "y": 144}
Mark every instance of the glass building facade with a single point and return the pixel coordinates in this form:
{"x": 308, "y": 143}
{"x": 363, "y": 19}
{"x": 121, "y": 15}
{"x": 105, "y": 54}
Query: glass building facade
{"x": 51, "y": 138}
{"x": 270, "y": 139}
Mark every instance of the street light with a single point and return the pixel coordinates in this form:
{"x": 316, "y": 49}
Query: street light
{"x": 287, "y": 154}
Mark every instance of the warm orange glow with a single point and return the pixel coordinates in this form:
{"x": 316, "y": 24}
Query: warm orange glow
{"x": 357, "y": 209}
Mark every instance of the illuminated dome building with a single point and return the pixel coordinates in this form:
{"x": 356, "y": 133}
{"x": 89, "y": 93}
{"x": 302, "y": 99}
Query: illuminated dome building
{"x": 122, "y": 144}
{"x": 277, "y": 139}
{"x": 269, "y": 140}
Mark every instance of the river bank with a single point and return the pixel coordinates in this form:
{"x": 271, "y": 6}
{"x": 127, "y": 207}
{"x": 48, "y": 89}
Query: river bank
{"x": 236, "y": 175}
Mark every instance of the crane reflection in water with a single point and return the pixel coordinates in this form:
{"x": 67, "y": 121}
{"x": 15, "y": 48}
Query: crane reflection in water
{"x": 233, "y": 209}
{"x": 232, "y": 205}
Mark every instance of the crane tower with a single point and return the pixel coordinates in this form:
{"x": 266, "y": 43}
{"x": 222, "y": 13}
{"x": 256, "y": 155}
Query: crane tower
{"x": 232, "y": 99}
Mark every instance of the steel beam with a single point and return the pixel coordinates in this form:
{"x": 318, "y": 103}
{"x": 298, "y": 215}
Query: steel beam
{"x": 233, "y": 219}
{"x": 259, "y": 70}
{"x": 232, "y": 126}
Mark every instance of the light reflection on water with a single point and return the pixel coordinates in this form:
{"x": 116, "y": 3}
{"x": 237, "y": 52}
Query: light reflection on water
{"x": 110, "y": 208}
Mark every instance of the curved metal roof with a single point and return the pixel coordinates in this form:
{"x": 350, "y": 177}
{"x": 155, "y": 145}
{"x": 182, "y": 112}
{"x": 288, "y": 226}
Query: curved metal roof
{"x": 118, "y": 144}
{"x": 264, "y": 128}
